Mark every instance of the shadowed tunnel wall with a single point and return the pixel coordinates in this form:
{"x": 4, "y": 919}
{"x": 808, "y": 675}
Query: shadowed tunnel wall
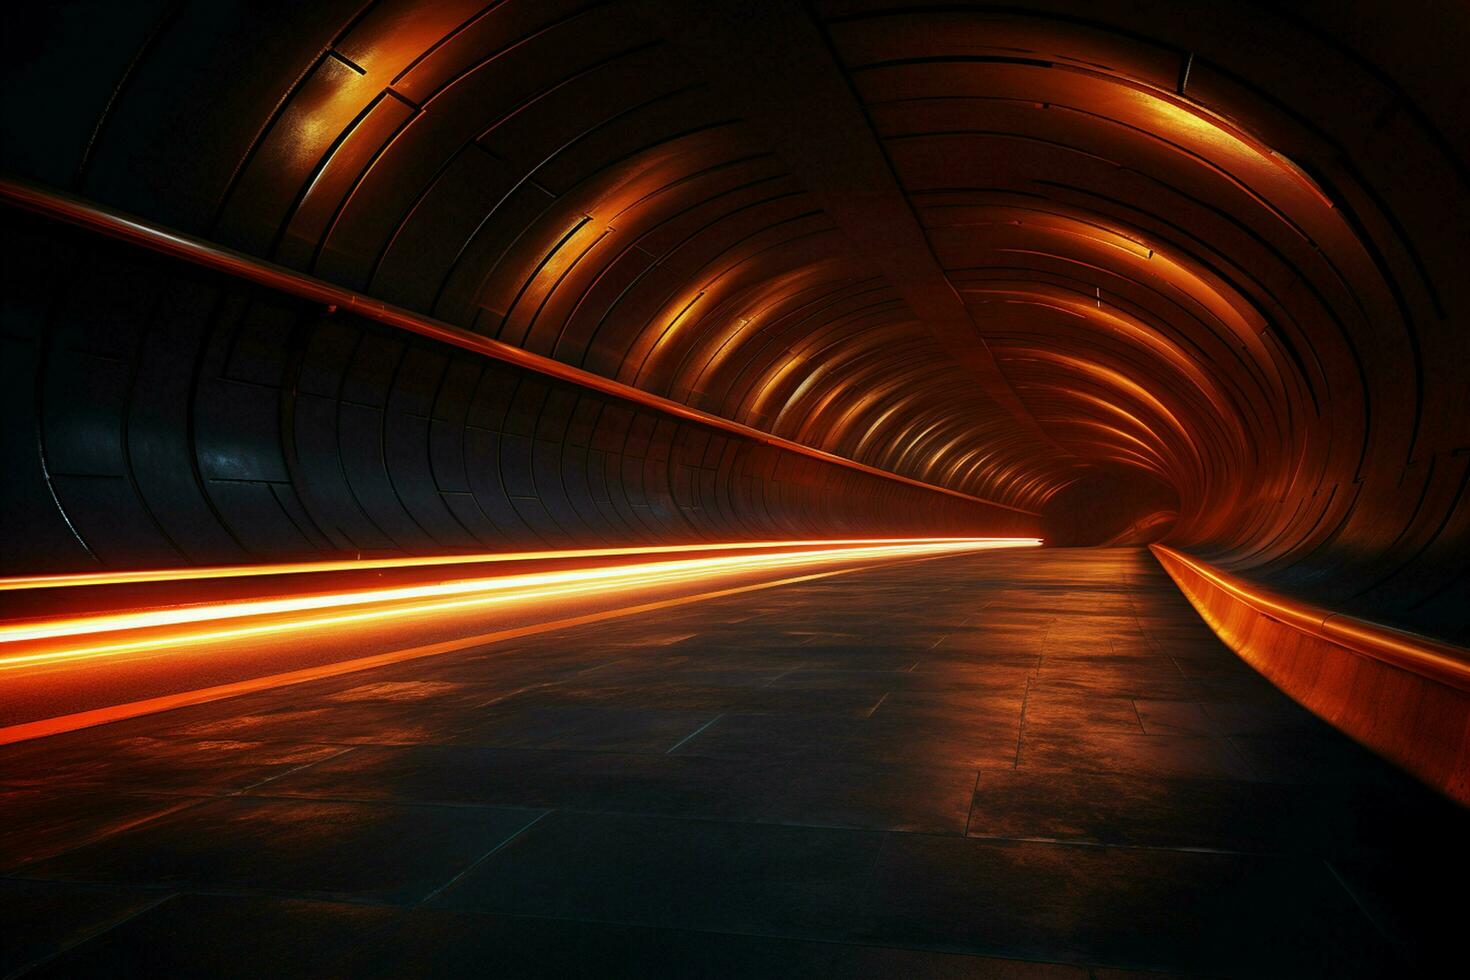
{"x": 1196, "y": 259}
{"x": 223, "y": 424}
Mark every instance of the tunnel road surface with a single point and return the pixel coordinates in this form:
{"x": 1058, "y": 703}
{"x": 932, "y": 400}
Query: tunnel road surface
{"x": 1015, "y": 761}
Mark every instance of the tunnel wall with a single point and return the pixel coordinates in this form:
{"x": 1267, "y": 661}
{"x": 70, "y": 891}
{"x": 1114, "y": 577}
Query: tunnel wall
{"x": 1218, "y": 247}
{"x": 1216, "y": 250}
{"x": 157, "y": 415}
{"x": 548, "y": 173}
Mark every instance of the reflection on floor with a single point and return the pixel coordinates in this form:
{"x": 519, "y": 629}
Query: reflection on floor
{"x": 937, "y": 769}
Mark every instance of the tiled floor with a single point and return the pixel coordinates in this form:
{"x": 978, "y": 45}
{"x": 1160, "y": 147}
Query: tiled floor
{"x": 1010, "y": 765}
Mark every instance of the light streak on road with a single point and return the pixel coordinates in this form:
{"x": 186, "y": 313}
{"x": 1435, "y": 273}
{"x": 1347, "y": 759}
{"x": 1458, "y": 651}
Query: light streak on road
{"x": 78, "y": 638}
{"x": 22, "y": 582}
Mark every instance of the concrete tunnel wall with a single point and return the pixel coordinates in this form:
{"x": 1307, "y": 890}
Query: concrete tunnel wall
{"x": 1194, "y": 258}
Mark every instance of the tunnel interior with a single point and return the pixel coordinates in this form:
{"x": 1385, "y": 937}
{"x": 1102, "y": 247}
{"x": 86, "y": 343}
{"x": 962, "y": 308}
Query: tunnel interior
{"x": 368, "y": 281}
{"x": 1085, "y": 267}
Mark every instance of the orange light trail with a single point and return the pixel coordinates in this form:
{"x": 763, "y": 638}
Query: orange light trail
{"x": 35, "y": 643}
{"x": 363, "y": 564}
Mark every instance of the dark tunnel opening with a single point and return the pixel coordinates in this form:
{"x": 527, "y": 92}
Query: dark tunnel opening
{"x": 375, "y": 282}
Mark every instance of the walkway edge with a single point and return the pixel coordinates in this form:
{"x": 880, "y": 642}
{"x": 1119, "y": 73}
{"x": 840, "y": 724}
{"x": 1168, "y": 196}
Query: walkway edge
{"x": 1404, "y": 696}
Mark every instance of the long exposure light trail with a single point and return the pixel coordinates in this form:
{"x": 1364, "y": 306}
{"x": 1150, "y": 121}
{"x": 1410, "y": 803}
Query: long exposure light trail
{"x": 20, "y": 582}
{"x": 67, "y": 639}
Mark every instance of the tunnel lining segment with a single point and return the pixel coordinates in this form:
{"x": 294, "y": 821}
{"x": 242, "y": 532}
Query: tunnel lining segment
{"x": 133, "y": 230}
{"x": 761, "y": 62}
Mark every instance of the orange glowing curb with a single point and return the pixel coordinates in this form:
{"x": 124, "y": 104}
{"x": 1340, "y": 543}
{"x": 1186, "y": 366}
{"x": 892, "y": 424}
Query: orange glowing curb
{"x": 1443, "y": 663}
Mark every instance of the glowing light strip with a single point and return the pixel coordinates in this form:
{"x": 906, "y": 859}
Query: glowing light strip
{"x": 317, "y": 611}
{"x": 362, "y": 564}
{"x": 1441, "y": 662}
{"x": 133, "y": 709}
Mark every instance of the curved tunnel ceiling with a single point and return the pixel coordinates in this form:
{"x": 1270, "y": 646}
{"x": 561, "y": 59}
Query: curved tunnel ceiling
{"x": 1193, "y": 259}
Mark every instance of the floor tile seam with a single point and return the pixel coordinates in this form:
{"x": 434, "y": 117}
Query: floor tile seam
{"x": 749, "y": 934}
{"x": 91, "y": 935}
{"x": 378, "y": 801}
{"x": 127, "y": 792}
{"x": 985, "y": 951}
{"x": 1358, "y": 903}
{"x": 1021, "y": 732}
{"x": 545, "y": 809}
{"x": 176, "y": 889}
{"x": 59, "y": 788}
{"x": 576, "y": 750}
{"x": 17, "y": 873}
{"x": 331, "y": 950}
{"x": 651, "y": 753}
{"x": 694, "y": 734}
{"x": 1239, "y": 754}
{"x": 870, "y": 877}
{"x": 1137, "y": 619}
{"x": 1142, "y": 728}
{"x": 764, "y": 819}
{"x": 324, "y": 743}
{"x": 903, "y": 834}
{"x": 974, "y": 795}
{"x": 194, "y": 803}
{"x": 170, "y": 738}
{"x": 295, "y": 769}
{"x": 1251, "y": 778}
{"x": 443, "y": 744}
{"x": 788, "y": 671}
{"x": 335, "y": 952}
{"x": 199, "y": 800}
{"x": 1284, "y": 855}
{"x": 1174, "y": 659}
{"x": 479, "y": 862}
{"x": 881, "y": 766}
{"x": 518, "y": 691}
{"x": 866, "y": 671}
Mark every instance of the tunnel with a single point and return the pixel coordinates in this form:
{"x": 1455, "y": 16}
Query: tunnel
{"x": 789, "y": 488}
